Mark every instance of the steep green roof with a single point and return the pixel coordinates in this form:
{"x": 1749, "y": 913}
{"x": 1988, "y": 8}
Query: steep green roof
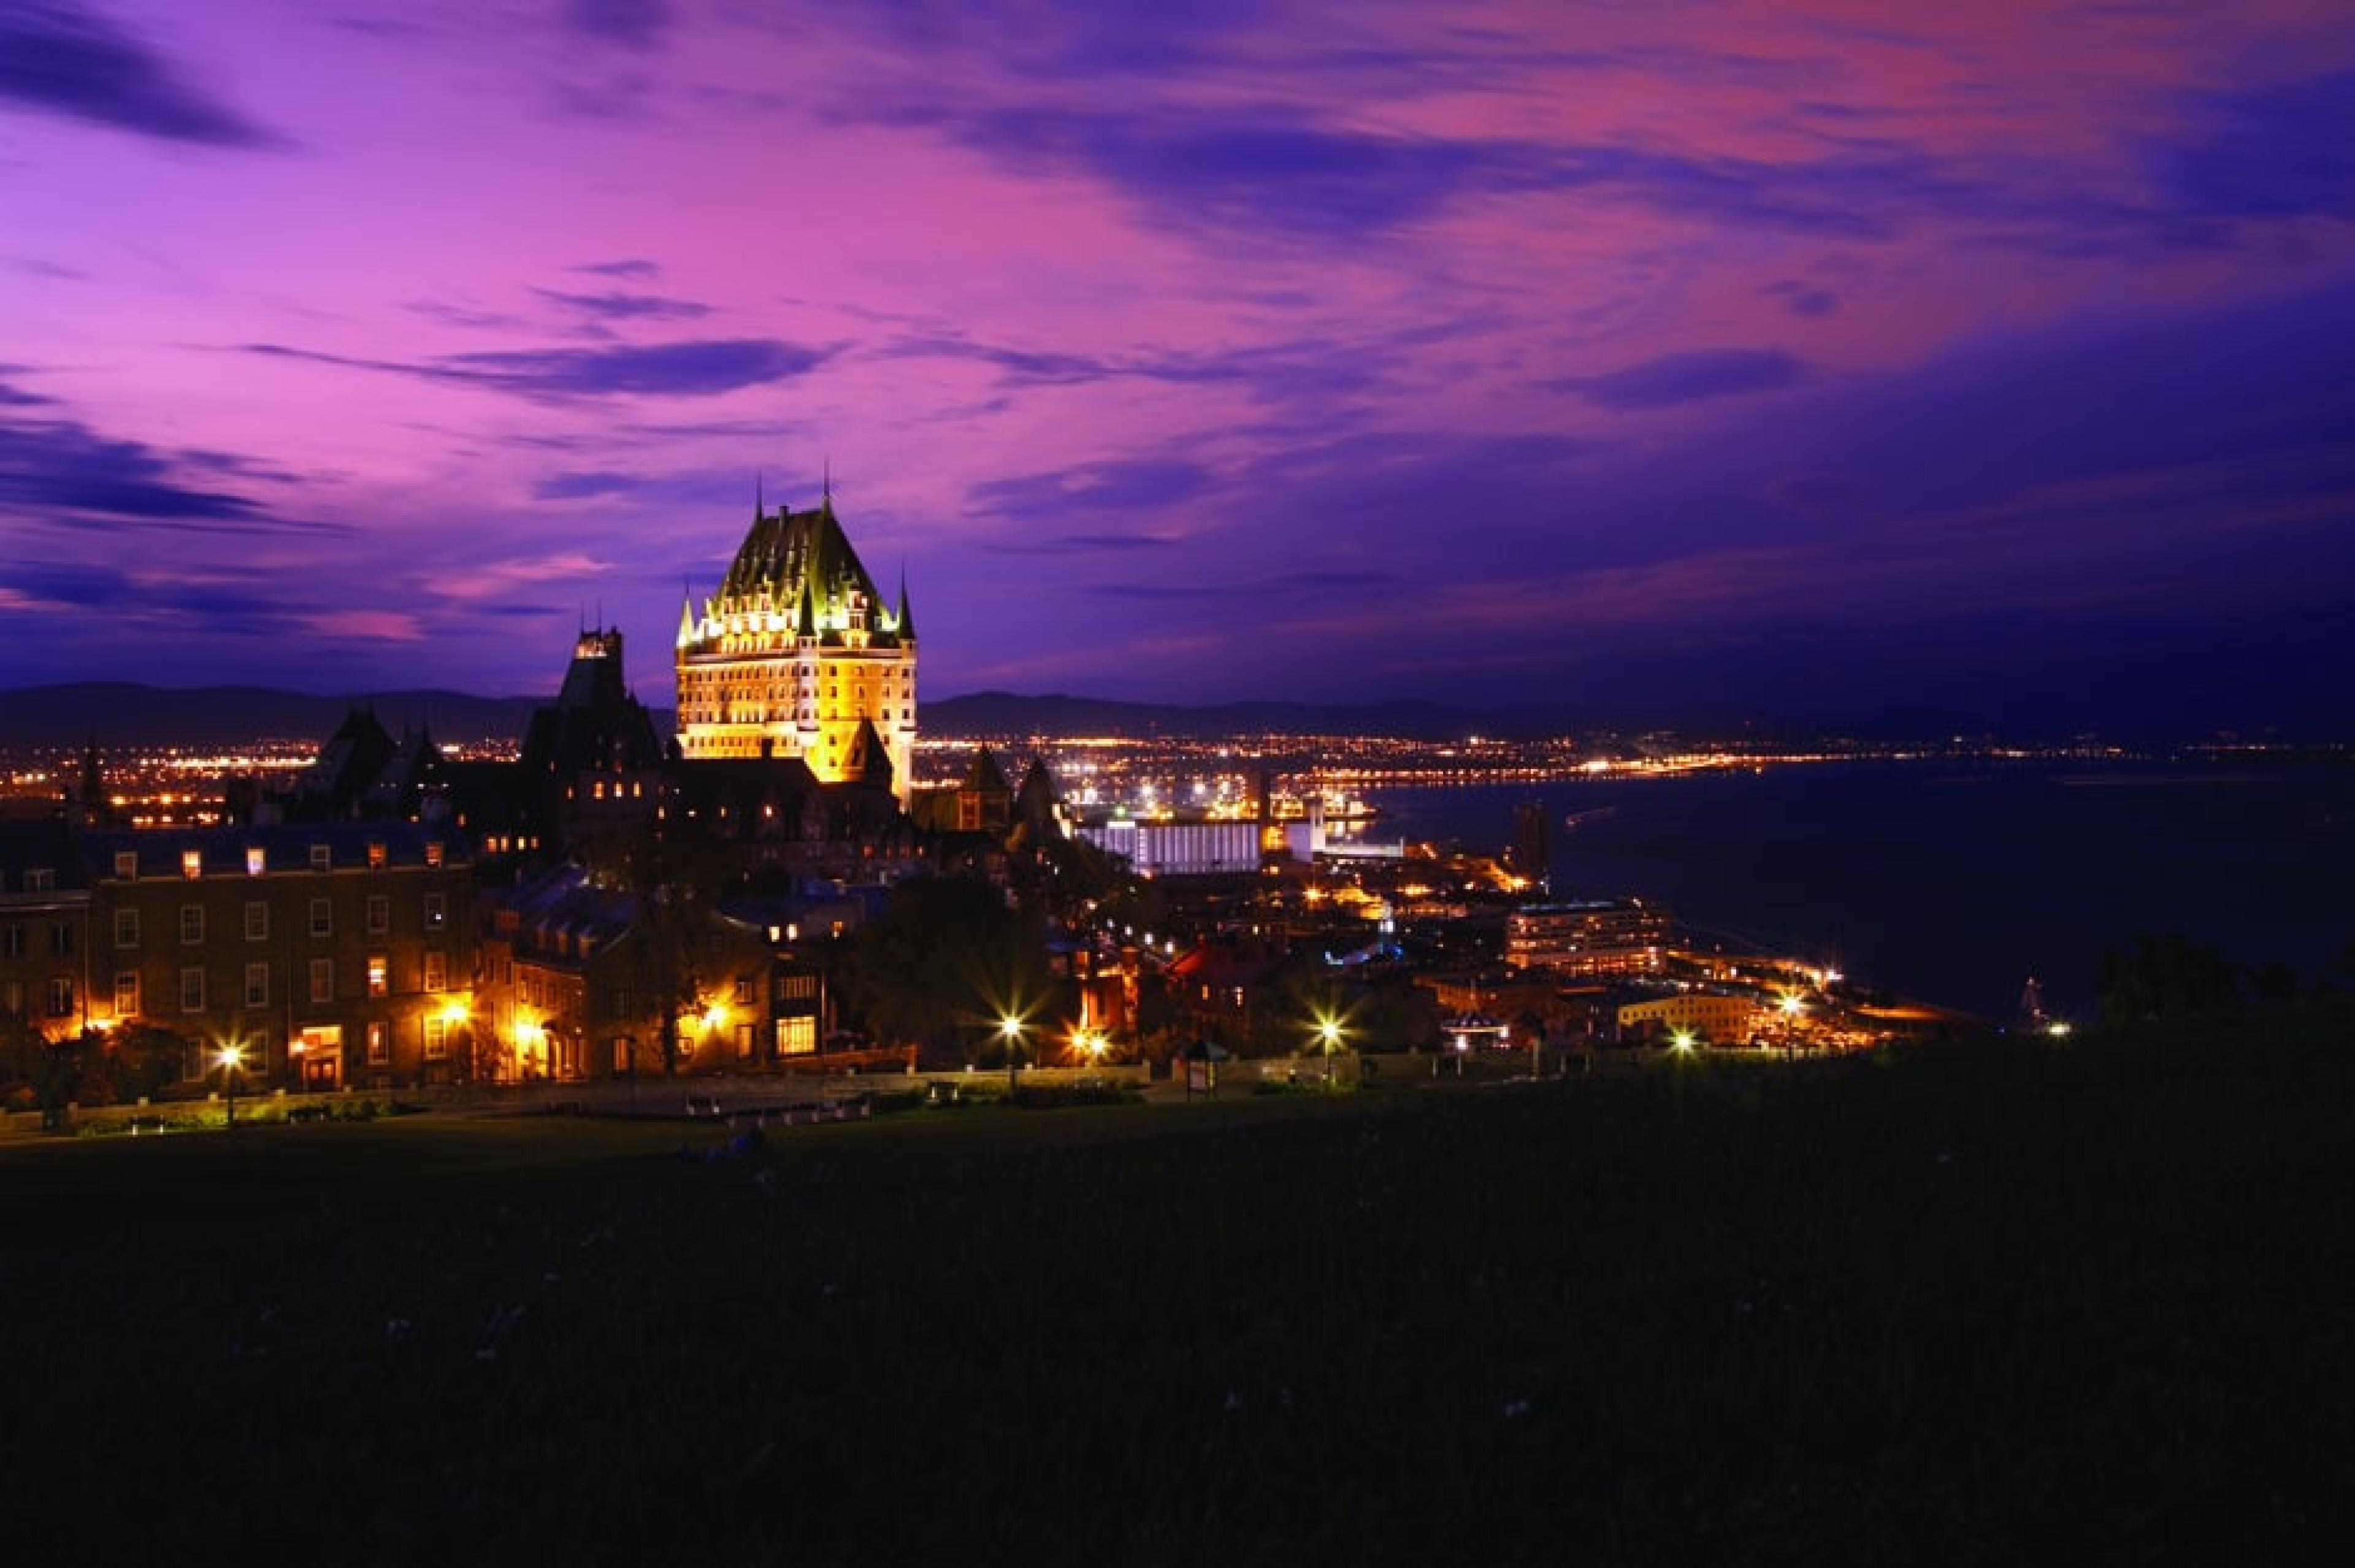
{"x": 789, "y": 555}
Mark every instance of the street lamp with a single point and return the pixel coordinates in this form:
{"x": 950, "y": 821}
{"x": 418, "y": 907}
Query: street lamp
{"x": 1682, "y": 1042}
{"x": 1328, "y": 1039}
{"x": 1009, "y": 1029}
{"x": 231, "y": 1057}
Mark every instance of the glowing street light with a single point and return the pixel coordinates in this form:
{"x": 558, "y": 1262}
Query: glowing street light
{"x": 1683, "y": 1042}
{"x": 230, "y": 1057}
{"x": 1328, "y": 1040}
{"x": 1009, "y": 1029}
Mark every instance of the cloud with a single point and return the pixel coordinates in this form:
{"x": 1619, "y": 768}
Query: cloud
{"x": 635, "y": 24}
{"x": 56, "y": 471}
{"x": 1675, "y": 379}
{"x": 626, "y": 307}
{"x": 1119, "y": 485}
{"x": 451, "y": 315}
{"x": 630, "y": 267}
{"x": 60, "y": 58}
{"x": 2276, "y": 149}
{"x": 1272, "y": 171}
{"x": 685, "y": 369}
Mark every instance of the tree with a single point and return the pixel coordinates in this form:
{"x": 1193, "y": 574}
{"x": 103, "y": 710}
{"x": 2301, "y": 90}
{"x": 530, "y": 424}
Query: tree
{"x": 2164, "y": 977}
{"x": 945, "y": 963}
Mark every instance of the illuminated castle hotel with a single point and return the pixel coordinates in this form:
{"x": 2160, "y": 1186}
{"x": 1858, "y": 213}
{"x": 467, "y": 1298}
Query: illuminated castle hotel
{"x": 797, "y": 655}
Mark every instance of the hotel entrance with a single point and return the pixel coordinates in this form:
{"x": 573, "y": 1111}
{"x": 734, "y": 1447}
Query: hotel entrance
{"x": 317, "y": 1057}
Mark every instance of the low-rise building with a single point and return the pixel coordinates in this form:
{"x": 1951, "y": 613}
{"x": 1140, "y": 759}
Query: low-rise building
{"x": 1589, "y": 938}
{"x": 331, "y": 954}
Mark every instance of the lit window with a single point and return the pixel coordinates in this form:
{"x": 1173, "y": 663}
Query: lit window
{"x": 437, "y": 971}
{"x": 61, "y": 995}
{"x": 375, "y": 857}
{"x": 126, "y": 994}
{"x": 434, "y": 852}
{"x": 126, "y": 864}
{"x": 437, "y": 911}
{"x": 378, "y": 971}
{"x": 437, "y": 1039}
{"x": 192, "y": 862}
{"x": 257, "y": 859}
{"x": 380, "y": 1043}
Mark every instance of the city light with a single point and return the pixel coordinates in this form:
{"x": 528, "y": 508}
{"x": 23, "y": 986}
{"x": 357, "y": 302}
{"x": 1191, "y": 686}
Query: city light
{"x": 1682, "y": 1042}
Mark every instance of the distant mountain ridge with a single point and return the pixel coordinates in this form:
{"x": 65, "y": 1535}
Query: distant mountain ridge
{"x": 124, "y": 713}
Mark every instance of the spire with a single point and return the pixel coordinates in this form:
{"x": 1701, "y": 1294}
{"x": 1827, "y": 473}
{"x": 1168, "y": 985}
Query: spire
{"x": 805, "y": 622}
{"x": 904, "y": 622}
{"x": 825, "y": 488}
{"x": 686, "y": 619}
{"x": 757, "y": 506}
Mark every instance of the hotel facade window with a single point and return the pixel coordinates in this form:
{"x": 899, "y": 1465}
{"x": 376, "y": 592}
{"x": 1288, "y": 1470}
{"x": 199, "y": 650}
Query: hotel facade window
{"x": 257, "y": 920}
{"x": 192, "y": 925}
{"x": 257, "y": 861}
{"x": 378, "y": 975}
{"x": 323, "y": 980}
{"x": 379, "y": 914}
{"x": 437, "y": 1039}
{"x": 323, "y": 858}
{"x": 61, "y": 996}
{"x": 437, "y": 911}
{"x": 192, "y": 863}
{"x": 126, "y": 928}
{"x": 380, "y": 1042}
{"x": 323, "y": 917}
{"x": 126, "y": 994}
{"x": 257, "y": 985}
{"x": 192, "y": 990}
{"x": 437, "y": 971}
{"x": 126, "y": 865}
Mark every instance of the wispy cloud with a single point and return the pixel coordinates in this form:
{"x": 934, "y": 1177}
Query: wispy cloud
{"x": 1674, "y": 379}
{"x": 1114, "y": 485}
{"x": 60, "y": 57}
{"x": 685, "y": 369}
{"x": 637, "y": 24}
{"x": 625, "y": 307}
{"x": 57, "y": 471}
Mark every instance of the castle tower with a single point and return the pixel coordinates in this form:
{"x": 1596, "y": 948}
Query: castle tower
{"x": 797, "y": 653}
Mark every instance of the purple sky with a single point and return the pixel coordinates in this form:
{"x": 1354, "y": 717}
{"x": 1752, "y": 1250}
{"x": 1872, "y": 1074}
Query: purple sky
{"x": 1818, "y": 358}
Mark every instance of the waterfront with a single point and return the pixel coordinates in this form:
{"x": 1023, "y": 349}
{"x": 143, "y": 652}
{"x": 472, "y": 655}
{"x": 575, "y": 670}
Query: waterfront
{"x": 1953, "y": 879}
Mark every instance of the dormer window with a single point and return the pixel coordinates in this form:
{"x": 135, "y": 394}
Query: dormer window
{"x": 322, "y": 857}
{"x": 192, "y": 862}
{"x": 375, "y": 857}
{"x": 126, "y": 864}
{"x": 257, "y": 859}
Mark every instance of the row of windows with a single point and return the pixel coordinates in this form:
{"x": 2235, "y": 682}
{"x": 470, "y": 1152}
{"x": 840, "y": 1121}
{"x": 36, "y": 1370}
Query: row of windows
{"x": 256, "y": 993}
{"x": 16, "y": 941}
{"x": 257, "y": 861}
{"x": 58, "y": 997}
{"x": 435, "y": 914}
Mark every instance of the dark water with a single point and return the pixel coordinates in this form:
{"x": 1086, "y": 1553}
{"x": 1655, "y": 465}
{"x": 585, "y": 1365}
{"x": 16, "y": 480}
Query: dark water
{"x": 1954, "y": 881}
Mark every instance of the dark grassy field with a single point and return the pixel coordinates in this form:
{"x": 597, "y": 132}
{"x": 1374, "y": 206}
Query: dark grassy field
{"x": 1971, "y": 1304}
